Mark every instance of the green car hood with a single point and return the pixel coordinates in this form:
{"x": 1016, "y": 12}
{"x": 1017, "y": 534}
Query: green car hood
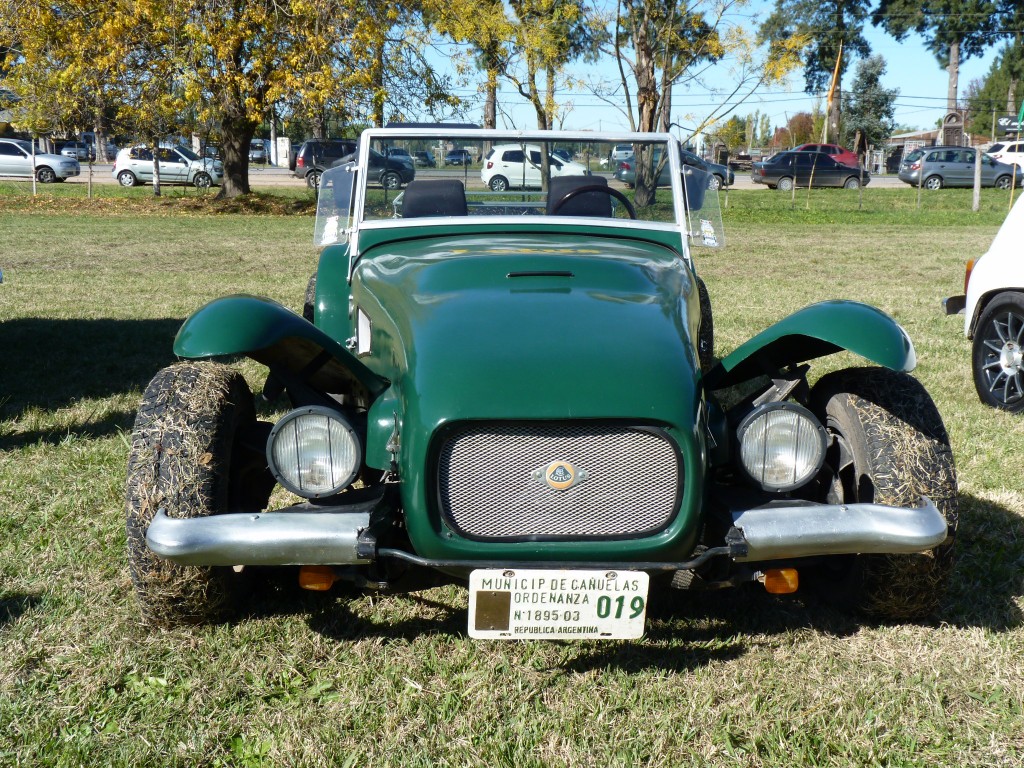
{"x": 550, "y": 328}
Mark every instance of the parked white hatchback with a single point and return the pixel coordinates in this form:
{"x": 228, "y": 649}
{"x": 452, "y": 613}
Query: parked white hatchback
{"x": 509, "y": 166}
{"x": 178, "y": 165}
{"x": 16, "y": 160}
{"x": 994, "y": 315}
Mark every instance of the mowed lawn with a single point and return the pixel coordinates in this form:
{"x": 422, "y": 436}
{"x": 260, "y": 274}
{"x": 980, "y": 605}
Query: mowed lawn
{"x": 93, "y": 294}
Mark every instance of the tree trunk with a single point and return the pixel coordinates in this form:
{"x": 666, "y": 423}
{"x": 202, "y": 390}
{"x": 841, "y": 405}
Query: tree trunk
{"x": 1011, "y": 97}
{"x": 834, "y": 117}
{"x": 491, "y": 100}
{"x": 236, "y": 134}
{"x": 954, "y": 75}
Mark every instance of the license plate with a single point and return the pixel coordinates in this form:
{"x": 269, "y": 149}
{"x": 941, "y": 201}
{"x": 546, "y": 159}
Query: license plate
{"x": 554, "y": 605}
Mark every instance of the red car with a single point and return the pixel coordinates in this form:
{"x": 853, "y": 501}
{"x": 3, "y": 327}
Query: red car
{"x": 839, "y": 154}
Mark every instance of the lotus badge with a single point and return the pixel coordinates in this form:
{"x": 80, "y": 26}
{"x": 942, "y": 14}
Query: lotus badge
{"x": 559, "y": 475}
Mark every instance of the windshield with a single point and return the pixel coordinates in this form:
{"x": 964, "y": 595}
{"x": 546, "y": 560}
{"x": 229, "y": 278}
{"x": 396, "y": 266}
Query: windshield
{"x": 538, "y": 178}
{"x": 186, "y": 152}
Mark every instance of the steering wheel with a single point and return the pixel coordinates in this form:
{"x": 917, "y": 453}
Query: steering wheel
{"x": 594, "y": 188}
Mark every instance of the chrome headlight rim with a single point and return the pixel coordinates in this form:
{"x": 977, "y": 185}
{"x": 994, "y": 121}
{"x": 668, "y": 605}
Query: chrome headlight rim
{"x": 814, "y": 434}
{"x": 291, "y": 480}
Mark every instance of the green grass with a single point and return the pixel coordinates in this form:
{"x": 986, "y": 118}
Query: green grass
{"x": 89, "y": 306}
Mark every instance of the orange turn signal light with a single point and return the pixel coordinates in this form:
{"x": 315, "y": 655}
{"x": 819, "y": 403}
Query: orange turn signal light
{"x": 780, "y": 581}
{"x": 318, "y": 578}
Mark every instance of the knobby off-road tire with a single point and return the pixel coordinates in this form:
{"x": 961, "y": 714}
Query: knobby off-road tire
{"x": 706, "y": 332}
{"x": 189, "y": 457}
{"x": 888, "y": 445}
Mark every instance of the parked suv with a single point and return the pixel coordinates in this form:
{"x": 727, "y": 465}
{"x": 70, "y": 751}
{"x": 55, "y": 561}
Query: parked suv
{"x": 518, "y": 392}
{"x": 938, "y": 167}
{"x": 178, "y": 165}
{"x": 519, "y": 166}
{"x": 314, "y": 157}
{"x": 1011, "y": 152}
{"x": 16, "y": 160}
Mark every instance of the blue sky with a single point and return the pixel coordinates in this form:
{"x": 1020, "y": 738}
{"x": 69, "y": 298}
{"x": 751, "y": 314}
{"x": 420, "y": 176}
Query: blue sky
{"x": 910, "y": 68}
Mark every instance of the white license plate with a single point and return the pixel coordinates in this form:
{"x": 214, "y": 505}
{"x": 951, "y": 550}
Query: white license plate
{"x": 557, "y": 605}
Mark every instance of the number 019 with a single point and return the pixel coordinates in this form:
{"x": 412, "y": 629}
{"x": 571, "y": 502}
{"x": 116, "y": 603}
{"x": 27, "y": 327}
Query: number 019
{"x": 607, "y": 606}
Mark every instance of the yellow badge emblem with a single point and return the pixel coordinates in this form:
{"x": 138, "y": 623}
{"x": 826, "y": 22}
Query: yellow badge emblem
{"x": 560, "y": 475}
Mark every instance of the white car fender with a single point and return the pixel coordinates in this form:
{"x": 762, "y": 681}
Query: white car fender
{"x": 1000, "y": 269}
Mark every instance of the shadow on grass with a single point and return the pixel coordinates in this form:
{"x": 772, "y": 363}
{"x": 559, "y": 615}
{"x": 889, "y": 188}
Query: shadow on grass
{"x": 14, "y": 606}
{"x": 53, "y": 364}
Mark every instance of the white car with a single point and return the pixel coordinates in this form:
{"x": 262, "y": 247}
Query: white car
{"x": 1007, "y": 152}
{"x": 994, "y": 316}
{"x": 509, "y": 166}
{"x": 178, "y": 165}
{"x": 16, "y": 160}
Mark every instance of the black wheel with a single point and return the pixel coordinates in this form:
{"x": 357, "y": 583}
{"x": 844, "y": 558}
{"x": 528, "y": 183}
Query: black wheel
{"x": 1003, "y": 182}
{"x": 498, "y": 184}
{"x": 996, "y": 356}
{"x": 203, "y": 180}
{"x": 390, "y": 180}
{"x": 785, "y": 184}
{"x": 195, "y": 452}
{"x": 714, "y": 181}
{"x": 45, "y": 175}
{"x": 852, "y": 183}
{"x": 573, "y": 193}
{"x": 313, "y": 179}
{"x": 127, "y": 179}
{"x": 933, "y": 182}
{"x": 887, "y": 445}
{"x": 309, "y": 301}
{"x": 706, "y": 332}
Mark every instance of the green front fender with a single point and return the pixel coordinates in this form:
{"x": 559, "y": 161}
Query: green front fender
{"x": 816, "y": 331}
{"x": 277, "y": 337}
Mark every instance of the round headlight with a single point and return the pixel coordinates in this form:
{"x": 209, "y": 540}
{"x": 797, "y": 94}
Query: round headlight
{"x": 782, "y": 446}
{"x": 314, "y": 452}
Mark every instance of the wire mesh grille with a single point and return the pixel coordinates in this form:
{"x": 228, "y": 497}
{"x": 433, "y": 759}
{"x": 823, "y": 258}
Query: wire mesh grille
{"x": 490, "y": 486}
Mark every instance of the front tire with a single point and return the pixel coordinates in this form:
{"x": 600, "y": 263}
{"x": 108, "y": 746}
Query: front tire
{"x": 46, "y": 175}
{"x": 715, "y": 182}
{"x": 195, "y": 452}
{"x": 1003, "y": 182}
{"x": 996, "y": 355}
{"x": 785, "y": 184}
{"x": 887, "y": 445}
{"x": 391, "y": 180}
{"x": 203, "y": 180}
{"x": 127, "y": 179}
{"x": 852, "y": 183}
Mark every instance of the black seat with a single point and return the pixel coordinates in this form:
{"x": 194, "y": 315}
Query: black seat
{"x": 434, "y": 197}
{"x": 583, "y": 204}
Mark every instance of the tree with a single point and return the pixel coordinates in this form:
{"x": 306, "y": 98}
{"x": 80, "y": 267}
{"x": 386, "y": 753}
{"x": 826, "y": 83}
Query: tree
{"x": 825, "y": 25}
{"x": 660, "y": 44}
{"x": 870, "y": 107}
{"x": 954, "y": 30}
{"x": 993, "y": 95}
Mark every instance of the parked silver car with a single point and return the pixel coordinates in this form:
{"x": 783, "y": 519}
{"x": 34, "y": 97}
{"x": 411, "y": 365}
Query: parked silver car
{"x": 16, "y": 160}
{"x": 938, "y": 167}
{"x": 178, "y": 165}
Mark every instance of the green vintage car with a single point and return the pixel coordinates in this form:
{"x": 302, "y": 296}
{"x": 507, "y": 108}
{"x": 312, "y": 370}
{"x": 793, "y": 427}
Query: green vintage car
{"x": 517, "y": 391}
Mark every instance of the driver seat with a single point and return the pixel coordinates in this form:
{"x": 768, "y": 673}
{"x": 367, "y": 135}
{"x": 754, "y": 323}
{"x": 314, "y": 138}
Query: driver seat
{"x": 584, "y": 204}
